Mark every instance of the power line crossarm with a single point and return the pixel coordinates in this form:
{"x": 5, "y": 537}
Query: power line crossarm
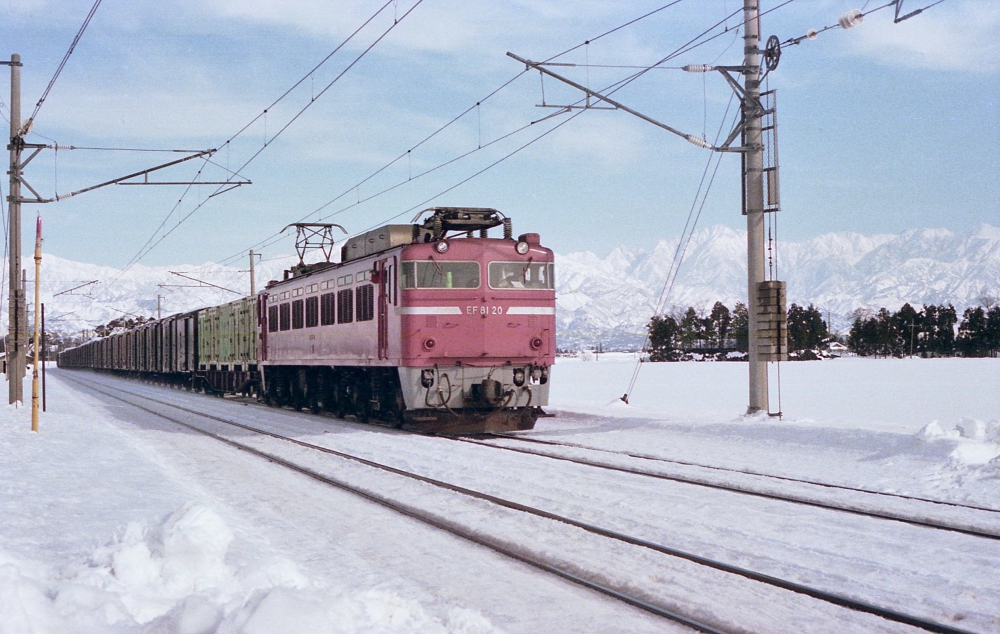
{"x": 690, "y": 138}
{"x": 114, "y": 181}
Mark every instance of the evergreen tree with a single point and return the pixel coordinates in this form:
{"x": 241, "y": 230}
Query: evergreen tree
{"x": 663, "y": 339}
{"x": 908, "y": 323}
{"x": 741, "y": 327}
{"x": 993, "y": 330}
{"x": 972, "y": 339}
{"x": 721, "y": 319}
{"x": 692, "y": 329}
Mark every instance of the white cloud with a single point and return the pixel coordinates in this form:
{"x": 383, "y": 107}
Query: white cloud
{"x": 954, "y": 36}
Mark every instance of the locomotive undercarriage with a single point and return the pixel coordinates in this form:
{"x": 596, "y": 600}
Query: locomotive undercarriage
{"x": 376, "y": 394}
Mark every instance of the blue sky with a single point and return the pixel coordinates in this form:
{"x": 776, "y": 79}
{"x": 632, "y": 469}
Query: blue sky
{"x": 883, "y": 127}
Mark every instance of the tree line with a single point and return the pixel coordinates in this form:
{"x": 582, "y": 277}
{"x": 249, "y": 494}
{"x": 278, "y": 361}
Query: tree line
{"x": 928, "y": 332}
{"x": 722, "y": 331}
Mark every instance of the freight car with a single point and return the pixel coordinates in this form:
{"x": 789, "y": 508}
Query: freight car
{"x": 432, "y": 326}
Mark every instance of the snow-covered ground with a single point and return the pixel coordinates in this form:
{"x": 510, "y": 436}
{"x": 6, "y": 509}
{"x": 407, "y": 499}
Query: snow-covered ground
{"x": 112, "y": 519}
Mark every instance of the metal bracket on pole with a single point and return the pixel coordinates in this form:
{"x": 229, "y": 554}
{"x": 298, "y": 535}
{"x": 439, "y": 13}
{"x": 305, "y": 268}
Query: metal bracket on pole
{"x": 119, "y": 180}
{"x": 203, "y": 283}
{"x": 690, "y": 138}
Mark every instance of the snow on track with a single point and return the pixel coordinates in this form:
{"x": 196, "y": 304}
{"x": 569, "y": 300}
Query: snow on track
{"x": 303, "y": 557}
{"x": 783, "y": 549}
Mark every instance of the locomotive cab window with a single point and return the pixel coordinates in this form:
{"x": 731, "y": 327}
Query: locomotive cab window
{"x": 522, "y": 275}
{"x": 434, "y": 274}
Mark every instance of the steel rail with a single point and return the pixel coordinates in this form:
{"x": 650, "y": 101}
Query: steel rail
{"x": 684, "y": 463}
{"x": 884, "y": 515}
{"x": 406, "y": 510}
{"x": 822, "y": 595}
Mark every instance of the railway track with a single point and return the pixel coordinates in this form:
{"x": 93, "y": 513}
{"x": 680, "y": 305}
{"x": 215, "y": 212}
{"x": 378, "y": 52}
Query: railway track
{"x": 685, "y": 463}
{"x": 506, "y": 548}
{"x": 862, "y": 508}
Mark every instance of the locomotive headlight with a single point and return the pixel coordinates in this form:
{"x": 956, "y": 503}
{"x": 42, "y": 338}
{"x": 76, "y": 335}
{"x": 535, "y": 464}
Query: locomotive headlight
{"x": 441, "y": 247}
{"x": 518, "y": 377}
{"x": 427, "y": 377}
{"x": 429, "y": 344}
{"x": 536, "y": 343}
{"x": 522, "y": 247}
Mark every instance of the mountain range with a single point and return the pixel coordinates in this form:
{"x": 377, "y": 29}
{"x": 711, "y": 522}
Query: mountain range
{"x": 609, "y": 299}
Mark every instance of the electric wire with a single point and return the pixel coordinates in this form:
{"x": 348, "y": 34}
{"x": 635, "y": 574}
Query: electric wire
{"x": 272, "y": 239}
{"x": 686, "y": 47}
{"x": 277, "y": 237}
{"x": 150, "y": 244}
{"x": 76, "y": 40}
{"x": 143, "y": 250}
{"x": 682, "y": 243}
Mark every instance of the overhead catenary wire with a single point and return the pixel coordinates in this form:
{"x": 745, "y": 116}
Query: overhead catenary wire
{"x": 62, "y": 64}
{"x": 610, "y": 90}
{"x": 691, "y": 44}
{"x": 150, "y": 244}
{"x": 408, "y": 153}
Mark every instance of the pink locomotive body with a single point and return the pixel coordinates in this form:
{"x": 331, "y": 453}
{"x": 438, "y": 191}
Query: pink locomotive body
{"x": 434, "y": 332}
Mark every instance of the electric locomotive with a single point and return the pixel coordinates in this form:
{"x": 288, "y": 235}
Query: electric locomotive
{"x": 434, "y": 326}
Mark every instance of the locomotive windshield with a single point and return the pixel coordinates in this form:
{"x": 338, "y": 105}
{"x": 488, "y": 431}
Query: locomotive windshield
{"x": 522, "y": 275}
{"x": 434, "y": 274}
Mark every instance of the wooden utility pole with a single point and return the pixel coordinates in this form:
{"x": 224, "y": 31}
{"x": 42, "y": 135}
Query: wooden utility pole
{"x": 38, "y": 312}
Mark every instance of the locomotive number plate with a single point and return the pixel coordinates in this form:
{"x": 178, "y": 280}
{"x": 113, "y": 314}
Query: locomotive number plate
{"x": 484, "y": 310}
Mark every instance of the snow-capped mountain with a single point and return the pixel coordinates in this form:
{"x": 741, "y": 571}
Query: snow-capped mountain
{"x": 612, "y": 298}
{"x": 609, "y": 299}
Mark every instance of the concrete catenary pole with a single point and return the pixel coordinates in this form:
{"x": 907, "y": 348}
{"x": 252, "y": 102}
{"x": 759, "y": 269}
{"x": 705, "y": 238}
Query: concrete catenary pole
{"x": 17, "y": 329}
{"x": 253, "y": 279}
{"x": 754, "y": 202}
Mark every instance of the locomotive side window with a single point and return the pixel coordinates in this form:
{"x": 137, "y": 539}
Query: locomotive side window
{"x": 312, "y": 311}
{"x": 328, "y": 309}
{"x": 298, "y": 314}
{"x": 272, "y": 319}
{"x": 345, "y": 306}
{"x": 434, "y": 274}
{"x": 522, "y": 275}
{"x": 366, "y": 302}
{"x": 286, "y": 316}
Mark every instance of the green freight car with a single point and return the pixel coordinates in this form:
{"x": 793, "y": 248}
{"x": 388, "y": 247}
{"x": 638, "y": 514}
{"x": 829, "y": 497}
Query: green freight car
{"x": 227, "y": 346}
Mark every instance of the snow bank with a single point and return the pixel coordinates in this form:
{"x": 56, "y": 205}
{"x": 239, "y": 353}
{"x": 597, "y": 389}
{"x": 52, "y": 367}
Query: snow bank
{"x": 173, "y": 578}
{"x": 976, "y": 443}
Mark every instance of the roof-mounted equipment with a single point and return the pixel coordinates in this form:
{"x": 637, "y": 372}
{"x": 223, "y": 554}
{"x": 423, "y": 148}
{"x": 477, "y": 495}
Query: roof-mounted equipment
{"x": 434, "y": 228}
{"x": 309, "y": 236}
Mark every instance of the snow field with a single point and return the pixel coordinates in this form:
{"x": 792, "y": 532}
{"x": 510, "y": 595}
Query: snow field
{"x": 170, "y": 575}
{"x": 820, "y": 548}
{"x": 855, "y": 422}
{"x": 357, "y": 568}
{"x": 207, "y": 539}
